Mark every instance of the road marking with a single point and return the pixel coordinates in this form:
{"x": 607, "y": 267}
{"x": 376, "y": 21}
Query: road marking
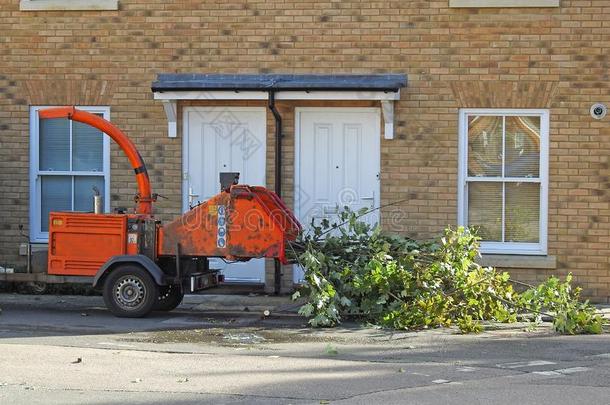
{"x": 441, "y": 381}
{"x": 561, "y": 371}
{"x": 603, "y": 355}
{"x": 525, "y": 364}
{"x": 466, "y": 369}
{"x": 572, "y": 370}
{"x": 547, "y": 373}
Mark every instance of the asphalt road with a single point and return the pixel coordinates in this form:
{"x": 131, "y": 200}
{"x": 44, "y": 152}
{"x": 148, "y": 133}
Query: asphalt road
{"x": 65, "y": 350}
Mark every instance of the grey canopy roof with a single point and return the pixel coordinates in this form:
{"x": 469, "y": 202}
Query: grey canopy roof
{"x": 278, "y": 82}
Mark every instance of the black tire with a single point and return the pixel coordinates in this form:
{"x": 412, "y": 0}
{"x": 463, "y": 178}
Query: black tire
{"x": 130, "y": 292}
{"x": 37, "y": 287}
{"x": 170, "y": 297}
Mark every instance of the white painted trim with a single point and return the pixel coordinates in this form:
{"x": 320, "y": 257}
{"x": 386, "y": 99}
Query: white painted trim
{"x": 171, "y": 109}
{"x": 185, "y": 141}
{"x": 36, "y": 235}
{"x": 211, "y": 95}
{"x": 499, "y": 247}
{"x": 279, "y": 95}
{"x": 387, "y": 99}
{"x": 502, "y": 3}
{"x": 67, "y": 5}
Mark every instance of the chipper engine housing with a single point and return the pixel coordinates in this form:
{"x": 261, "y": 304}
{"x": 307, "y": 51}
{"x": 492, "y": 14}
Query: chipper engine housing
{"x": 143, "y": 265}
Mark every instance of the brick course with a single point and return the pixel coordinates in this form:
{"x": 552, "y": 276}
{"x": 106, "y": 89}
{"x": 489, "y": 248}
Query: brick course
{"x": 553, "y": 58}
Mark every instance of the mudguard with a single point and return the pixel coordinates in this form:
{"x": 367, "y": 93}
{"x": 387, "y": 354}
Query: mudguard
{"x": 141, "y": 260}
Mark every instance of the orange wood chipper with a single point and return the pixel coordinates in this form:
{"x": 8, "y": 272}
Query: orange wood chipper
{"x": 142, "y": 265}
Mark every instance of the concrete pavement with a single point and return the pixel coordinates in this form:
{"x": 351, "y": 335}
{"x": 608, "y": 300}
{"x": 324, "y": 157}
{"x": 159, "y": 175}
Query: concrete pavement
{"x": 61, "y": 350}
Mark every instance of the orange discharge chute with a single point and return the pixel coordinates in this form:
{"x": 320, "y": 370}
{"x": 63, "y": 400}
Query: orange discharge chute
{"x": 144, "y": 198}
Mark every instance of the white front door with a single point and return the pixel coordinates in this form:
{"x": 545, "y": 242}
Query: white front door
{"x": 338, "y": 163}
{"x": 224, "y": 139}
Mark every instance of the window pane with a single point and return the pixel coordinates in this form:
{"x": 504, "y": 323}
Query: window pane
{"x": 522, "y": 212}
{"x": 87, "y": 148}
{"x": 56, "y": 195}
{"x": 485, "y": 146}
{"x": 522, "y": 147}
{"x": 83, "y": 191}
{"x": 485, "y": 210}
{"x": 54, "y": 144}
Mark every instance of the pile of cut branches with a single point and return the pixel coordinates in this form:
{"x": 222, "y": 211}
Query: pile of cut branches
{"x": 353, "y": 269}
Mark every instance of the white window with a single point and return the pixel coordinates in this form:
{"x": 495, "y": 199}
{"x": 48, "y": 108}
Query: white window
{"x": 67, "y": 160}
{"x": 67, "y": 5}
{"x": 503, "y": 178}
{"x": 502, "y": 3}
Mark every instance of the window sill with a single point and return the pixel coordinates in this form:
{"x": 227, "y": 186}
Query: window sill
{"x": 67, "y": 5}
{"x": 502, "y": 3}
{"x": 519, "y": 261}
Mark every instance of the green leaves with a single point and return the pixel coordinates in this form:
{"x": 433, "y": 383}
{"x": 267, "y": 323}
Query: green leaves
{"x": 570, "y": 315}
{"x": 396, "y": 282}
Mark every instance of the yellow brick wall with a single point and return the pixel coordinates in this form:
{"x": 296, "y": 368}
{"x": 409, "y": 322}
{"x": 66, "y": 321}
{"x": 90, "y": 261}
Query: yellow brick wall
{"x": 553, "y": 57}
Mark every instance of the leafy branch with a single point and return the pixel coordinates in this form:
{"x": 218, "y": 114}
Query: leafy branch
{"x": 353, "y": 269}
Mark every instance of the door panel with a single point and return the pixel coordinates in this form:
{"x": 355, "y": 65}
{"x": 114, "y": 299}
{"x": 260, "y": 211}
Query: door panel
{"x": 338, "y": 163}
{"x": 224, "y": 139}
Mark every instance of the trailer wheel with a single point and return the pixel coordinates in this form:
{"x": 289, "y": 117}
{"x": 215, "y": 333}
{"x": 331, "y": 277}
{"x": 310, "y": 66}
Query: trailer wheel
{"x": 169, "y": 298}
{"x": 130, "y": 292}
{"x": 37, "y": 287}
{"x": 32, "y": 287}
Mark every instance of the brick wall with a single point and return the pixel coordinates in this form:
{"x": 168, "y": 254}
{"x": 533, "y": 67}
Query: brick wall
{"x": 555, "y": 58}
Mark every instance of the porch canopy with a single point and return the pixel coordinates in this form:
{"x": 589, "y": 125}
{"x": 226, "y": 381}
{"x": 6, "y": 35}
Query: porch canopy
{"x": 169, "y": 88}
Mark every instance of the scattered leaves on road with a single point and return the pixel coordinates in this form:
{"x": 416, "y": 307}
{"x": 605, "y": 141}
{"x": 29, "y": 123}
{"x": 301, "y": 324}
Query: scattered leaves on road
{"x": 331, "y": 350}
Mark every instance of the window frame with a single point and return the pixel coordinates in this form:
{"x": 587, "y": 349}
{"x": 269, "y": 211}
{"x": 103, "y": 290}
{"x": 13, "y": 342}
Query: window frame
{"x": 36, "y": 235}
{"x": 68, "y": 5}
{"x": 517, "y": 248}
{"x": 504, "y": 3}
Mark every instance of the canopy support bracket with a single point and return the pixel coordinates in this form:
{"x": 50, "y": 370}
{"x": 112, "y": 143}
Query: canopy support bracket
{"x": 170, "y": 108}
{"x": 387, "y": 107}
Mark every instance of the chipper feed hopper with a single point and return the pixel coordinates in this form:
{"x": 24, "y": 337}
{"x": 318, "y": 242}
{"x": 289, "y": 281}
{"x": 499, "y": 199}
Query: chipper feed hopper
{"x": 142, "y": 265}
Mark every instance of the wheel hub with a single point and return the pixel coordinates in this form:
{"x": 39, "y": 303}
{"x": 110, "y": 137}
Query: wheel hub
{"x": 129, "y": 291}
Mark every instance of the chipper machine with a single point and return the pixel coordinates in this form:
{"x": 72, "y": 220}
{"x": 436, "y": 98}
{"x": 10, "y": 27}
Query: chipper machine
{"x": 143, "y": 265}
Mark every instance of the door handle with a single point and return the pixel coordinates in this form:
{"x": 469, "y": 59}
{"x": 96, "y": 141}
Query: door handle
{"x": 192, "y": 196}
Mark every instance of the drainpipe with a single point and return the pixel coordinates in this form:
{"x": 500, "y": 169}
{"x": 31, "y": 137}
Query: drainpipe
{"x": 278, "y": 178}
{"x": 278, "y": 144}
